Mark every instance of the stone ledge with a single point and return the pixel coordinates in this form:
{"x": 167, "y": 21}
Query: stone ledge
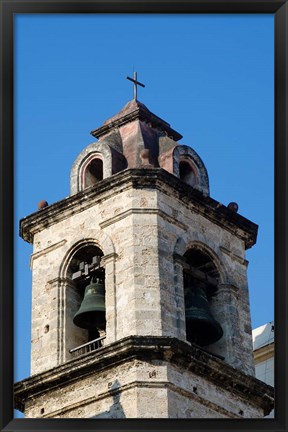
{"x": 167, "y": 349}
{"x": 140, "y": 178}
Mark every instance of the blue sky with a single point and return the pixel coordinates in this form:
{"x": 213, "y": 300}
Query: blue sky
{"x": 210, "y": 77}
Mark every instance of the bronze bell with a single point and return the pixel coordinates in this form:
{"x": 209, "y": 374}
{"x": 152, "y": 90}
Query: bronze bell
{"x": 201, "y": 328}
{"x": 91, "y": 314}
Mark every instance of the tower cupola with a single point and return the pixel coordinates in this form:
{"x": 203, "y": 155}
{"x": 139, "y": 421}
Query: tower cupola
{"x": 137, "y": 138}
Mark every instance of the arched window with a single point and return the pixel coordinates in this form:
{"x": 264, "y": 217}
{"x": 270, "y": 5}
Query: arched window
{"x": 186, "y": 173}
{"x": 85, "y": 302}
{"x": 93, "y": 172}
{"x": 200, "y": 284}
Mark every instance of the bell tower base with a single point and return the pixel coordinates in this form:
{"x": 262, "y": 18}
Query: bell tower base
{"x": 144, "y": 377}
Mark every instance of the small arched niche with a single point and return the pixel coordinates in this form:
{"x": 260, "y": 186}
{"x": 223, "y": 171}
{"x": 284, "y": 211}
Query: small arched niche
{"x": 92, "y": 172}
{"x": 201, "y": 278}
{"x": 83, "y": 270}
{"x": 187, "y": 173}
{"x": 187, "y": 165}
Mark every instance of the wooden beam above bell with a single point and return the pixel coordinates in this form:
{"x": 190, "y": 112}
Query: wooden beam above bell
{"x": 85, "y": 269}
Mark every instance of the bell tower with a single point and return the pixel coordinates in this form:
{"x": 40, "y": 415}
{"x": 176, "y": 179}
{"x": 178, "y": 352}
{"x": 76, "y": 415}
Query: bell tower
{"x": 140, "y": 297}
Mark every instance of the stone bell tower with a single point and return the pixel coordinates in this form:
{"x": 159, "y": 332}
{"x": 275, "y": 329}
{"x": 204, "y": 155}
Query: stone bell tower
{"x": 140, "y": 300}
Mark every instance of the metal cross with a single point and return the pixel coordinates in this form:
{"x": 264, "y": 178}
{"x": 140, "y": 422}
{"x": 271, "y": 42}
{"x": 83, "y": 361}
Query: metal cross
{"x": 134, "y": 80}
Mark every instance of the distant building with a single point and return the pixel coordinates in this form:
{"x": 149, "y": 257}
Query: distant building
{"x": 263, "y": 346}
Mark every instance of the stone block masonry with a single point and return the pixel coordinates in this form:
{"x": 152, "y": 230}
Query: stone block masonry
{"x": 144, "y": 225}
{"x": 140, "y": 377}
{"x": 172, "y": 274}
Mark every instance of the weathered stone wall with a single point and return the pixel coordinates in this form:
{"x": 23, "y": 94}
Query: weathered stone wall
{"x": 139, "y": 232}
{"x": 95, "y": 395}
{"x": 180, "y": 229}
{"x": 191, "y": 396}
{"x": 141, "y": 389}
{"x": 143, "y": 220}
{"x": 132, "y": 308}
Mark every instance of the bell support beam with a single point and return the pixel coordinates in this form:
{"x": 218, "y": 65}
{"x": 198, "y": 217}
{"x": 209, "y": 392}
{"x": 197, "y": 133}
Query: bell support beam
{"x": 85, "y": 269}
{"x": 211, "y": 283}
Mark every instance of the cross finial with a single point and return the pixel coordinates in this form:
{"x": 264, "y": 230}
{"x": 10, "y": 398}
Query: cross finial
{"x": 134, "y": 80}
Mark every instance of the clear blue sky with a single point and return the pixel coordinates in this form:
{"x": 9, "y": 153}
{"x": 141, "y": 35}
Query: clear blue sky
{"x": 210, "y": 77}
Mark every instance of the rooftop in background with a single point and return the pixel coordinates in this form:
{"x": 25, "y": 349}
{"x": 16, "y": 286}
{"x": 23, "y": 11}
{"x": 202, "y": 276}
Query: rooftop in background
{"x": 263, "y": 335}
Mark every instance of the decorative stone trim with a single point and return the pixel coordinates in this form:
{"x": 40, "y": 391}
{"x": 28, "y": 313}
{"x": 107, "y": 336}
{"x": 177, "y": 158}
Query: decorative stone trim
{"x": 229, "y": 288}
{"x": 234, "y": 256}
{"x": 46, "y": 250}
{"x": 166, "y": 349}
{"x": 107, "y": 258}
{"x": 143, "y": 384}
{"x": 149, "y": 211}
{"x": 150, "y": 178}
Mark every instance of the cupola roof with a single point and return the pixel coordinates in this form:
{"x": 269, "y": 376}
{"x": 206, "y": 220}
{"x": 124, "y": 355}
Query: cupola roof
{"x": 135, "y": 110}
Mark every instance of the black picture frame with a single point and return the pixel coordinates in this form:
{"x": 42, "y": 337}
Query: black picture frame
{"x": 8, "y": 9}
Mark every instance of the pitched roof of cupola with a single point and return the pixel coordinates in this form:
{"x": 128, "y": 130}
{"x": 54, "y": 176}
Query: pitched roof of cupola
{"x": 143, "y": 135}
{"x": 135, "y": 110}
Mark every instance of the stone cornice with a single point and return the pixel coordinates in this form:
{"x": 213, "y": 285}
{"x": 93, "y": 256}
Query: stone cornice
{"x": 141, "y": 178}
{"x": 144, "y": 348}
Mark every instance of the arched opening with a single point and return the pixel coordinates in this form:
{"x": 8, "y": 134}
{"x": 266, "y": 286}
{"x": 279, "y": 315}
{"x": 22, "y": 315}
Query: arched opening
{"x": 93, "y": 172}
{"x": 186, "y": 173}
{"x": 201, "y": 279}
{"x": 86, "y": 298}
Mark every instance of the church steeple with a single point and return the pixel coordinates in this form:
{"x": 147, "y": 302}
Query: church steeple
{"x": 167, "y": 264}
